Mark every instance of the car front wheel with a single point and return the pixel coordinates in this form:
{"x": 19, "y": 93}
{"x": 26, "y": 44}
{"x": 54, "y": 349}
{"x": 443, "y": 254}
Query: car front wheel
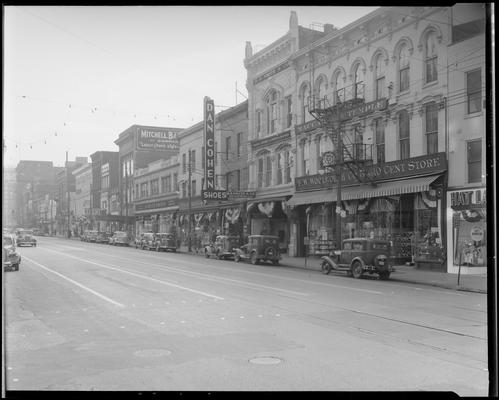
{"x": 384, "y": 276}
{"x": 254, "y": 259}
{"x": 325, "y": 267}
{"x": 357, "y": 269}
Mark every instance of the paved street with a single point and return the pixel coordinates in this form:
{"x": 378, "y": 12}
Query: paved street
{"x": 84, "y": 316}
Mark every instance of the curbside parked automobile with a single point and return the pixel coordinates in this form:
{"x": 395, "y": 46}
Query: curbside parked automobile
{"x": 103, "y": 237}
{"x": 165, "y": 241}
{"x": 147, "y": 241}
{"x": 259, "y": 248}
{"x": 11, "y": 258}
{"x": 119, "y": 238}
{"x": 360, "y": 255}
{"x": 223, "y": 247}
{"x": 25, "y": 238}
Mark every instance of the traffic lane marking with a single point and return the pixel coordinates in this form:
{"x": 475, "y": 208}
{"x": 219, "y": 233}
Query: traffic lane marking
{"x": 138, "y": 275}
{"x": 203, "y": 276}
{"x": 218, "y": 278}
{"x": 75, "y": 283}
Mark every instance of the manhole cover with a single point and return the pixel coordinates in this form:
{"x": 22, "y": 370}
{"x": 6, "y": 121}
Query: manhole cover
{"x": 265, "y": 360}
{"x": 152, "y": 353}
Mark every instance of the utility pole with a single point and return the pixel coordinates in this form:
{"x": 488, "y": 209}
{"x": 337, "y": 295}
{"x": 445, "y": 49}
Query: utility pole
{"x": 339, "y": 168}
{"x": 67, "y": 189}
{"x": 189, "y": 241}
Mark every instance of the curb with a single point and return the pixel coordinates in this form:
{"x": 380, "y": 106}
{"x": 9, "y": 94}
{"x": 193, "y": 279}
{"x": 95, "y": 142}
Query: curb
{"x": 441, "y": 285}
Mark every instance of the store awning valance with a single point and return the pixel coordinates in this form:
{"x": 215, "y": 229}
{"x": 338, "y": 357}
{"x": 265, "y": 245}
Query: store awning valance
{"x": 413, "y": 185}
{"x": 316, "y": 196}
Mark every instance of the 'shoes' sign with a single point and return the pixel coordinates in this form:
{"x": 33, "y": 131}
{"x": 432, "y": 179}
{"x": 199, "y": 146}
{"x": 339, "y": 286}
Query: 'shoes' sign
{"x": 157, "y": 139}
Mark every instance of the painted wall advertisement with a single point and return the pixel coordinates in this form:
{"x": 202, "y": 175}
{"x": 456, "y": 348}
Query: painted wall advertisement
{"x": 469, "y": 227}
{"x": 157, "y": 139}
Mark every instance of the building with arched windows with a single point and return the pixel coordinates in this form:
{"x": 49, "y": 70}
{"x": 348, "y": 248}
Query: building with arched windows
{"x": 384, "y": 81}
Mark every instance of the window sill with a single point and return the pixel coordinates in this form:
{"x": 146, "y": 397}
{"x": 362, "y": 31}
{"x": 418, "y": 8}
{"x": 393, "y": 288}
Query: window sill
{"x": 430, "y": 84}
{"x": 477, "y": 114}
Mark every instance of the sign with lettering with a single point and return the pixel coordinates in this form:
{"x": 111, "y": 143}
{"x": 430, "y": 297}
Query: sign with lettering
{"x": 155, "y": 204}
{"x": 307, "y": 126}
{"x": 362, "y": 109}
{"x": 104, "y": 169}
{"x": 267, "y": 141}
{"x": 214, "y": 194}
{"x": 424, "y": 165}
{"x": 157, "y": 139}
{"x": 209, "y": 143}
{"x": 240, "y": 194}
{"x": 270, "y": 73}
{"x": 468, "y": 199}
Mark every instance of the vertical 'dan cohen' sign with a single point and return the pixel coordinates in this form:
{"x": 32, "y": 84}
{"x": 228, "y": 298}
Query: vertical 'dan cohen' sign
{"x": 209, "y": 142}
{"x": 209, "y": 192}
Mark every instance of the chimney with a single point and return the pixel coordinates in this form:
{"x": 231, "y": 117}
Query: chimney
{"x": 329, "y": 28}
{"x": 248, "y": 50}
{"x": 293, "y": 21}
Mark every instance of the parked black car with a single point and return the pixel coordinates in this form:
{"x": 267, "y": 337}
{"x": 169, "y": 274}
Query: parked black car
{"x": 360, "y": 255}
{"x": 223, "y": 247}
{"x": 12, "y": 259}
{"x": 165, "y": 241}
{"x": 259, "y": 248}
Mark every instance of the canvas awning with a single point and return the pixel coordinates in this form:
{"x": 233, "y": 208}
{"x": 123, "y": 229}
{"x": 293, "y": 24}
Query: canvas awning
{"x": 403, "y": 186}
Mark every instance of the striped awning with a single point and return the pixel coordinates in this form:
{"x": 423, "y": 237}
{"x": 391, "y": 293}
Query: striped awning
{"x": 413, "y": 185}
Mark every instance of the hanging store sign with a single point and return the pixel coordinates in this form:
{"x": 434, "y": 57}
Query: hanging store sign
{"x": 424, "y": 165}
{"x": 214, "y": 195}
{"x": 209, "y": 143}
{"x": 157, "y": 139}
{"x": 468, "y": 199}
{"x": 155, "y": 204}
{"x": 240, "y": 194}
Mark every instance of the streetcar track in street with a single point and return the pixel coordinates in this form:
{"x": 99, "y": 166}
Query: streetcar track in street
{"x": 310, "y": 301}
{"x": 76, "y": 283}
{"x": 200, "y": 275}
{"x": 138, "y": 275}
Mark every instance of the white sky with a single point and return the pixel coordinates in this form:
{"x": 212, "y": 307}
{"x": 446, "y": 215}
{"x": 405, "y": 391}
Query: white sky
{"x": 87, "y": 73}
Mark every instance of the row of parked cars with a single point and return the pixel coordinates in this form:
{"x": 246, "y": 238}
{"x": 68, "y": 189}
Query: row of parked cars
{"x": 118, "y": 238}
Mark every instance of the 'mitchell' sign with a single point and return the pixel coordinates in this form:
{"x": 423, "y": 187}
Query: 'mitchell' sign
{"x": 157, "y": 139}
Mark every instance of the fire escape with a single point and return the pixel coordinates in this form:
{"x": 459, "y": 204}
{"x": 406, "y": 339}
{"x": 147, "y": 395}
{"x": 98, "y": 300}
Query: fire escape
{"x": 349, "y": 151}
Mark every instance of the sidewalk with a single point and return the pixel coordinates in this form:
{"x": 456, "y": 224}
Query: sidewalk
{"x": 410, "y": 274}
{"x": 402, "y": 273}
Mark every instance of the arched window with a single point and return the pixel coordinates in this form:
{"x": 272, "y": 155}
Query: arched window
{"x": 305, "y": 97}
{"x": 339, "y": 88}
{"x": 403, "y": 65}
{"x": 305, "y": 157}
{"x": 264, "y": 169}
{"x": 379, "y": 74}
{"x": 320, "y": 91}
{"x": 284, "y": 161}
{"x": 272, "y": 112}
{"x": 404, "y": 134}
{"x": 358, "y": 82}
{"x": 431, "y": 57}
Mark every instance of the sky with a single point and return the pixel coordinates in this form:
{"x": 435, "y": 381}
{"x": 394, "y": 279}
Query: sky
{"x": 76, "y": 77}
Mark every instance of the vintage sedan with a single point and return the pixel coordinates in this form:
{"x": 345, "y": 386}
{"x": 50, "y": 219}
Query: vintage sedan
{"x": 91, "y": 236}
{"x": 259, "y": 248}
{"x": 11, "y": 258}
{"x": 222, "y": 248}
{"x": 119, "y": 238}
{"x": 103, "y": 237}
{"x": 25, "y": 238}
{"x": 147, "y": 241}
{"x": 361, "y": 255}
{"x": 165, "y": 241}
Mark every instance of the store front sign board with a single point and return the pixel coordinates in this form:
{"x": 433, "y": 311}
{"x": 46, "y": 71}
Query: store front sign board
{"x": 468, "y": 199}
{"x": 157, "y": 139}
{"x": 424, "y": 165}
